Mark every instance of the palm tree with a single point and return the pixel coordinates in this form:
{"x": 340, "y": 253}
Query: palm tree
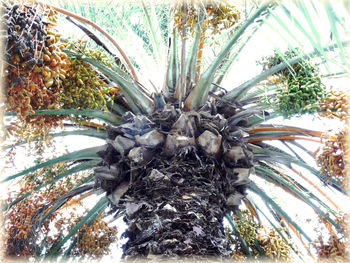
{"x": 178, "y": 161}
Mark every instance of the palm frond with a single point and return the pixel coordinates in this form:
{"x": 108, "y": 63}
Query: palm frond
{"x": 91, "y": 215}
{"x": 200, "y": 93}
{"x": 277, "y": 208}
{"x": 100, "y": 30}
{"x": 77, "y": 168}
{"x": 104, "y": 116}
{"x": 173, "y": 69}
{"x": 244, "y": 243}
{"x": 241, "y": 90}
{"x": 88, "y": 153}
{"x": 90, "y": 133}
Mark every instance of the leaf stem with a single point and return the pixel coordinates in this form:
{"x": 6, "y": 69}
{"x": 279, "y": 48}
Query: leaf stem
{"x": 283, "y": 138}
{"x": 239, "y": 91}
{"x": 304, "y": 131}
{"x": 316, "y": 187}
{"x": 200, "y": 50}
{"x": 109, "y": 37}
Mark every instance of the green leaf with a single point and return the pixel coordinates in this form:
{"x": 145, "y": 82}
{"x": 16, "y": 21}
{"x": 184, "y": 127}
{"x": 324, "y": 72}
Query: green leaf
{"x": 256, "y": 242}
{"x": 192, "y": 58}
{"x": 78, "y": 168}
{"x": 253, "y": 187}
{"x": 68, "y": 251}
{"x": 275, "y": 154}
{"x": 104, "y": 116}
{"x": 225, "y": 67}
{"x": 115, "y": 108}
{"x": 243, "y": 115}
{"x": 304, "y": 194}
{"x": 88, "y": 132}
{"x": 241, "y": 90}
{"x": 332, "y": 19}
{"x": 316, "y": 44}
{"x": 173, "y": 71}
{"x": 256, "y": 119}
{"x": 244, "y": 243}
{"x": 154, "y": 40}
{"x": 303, "y": 148}
{"x": 100, "y": 205}
{"x": 285, "y": 28}
{"x": 63, "y": 199}
{"x": 278, "y": 231}
{"x": 91, "y": 35}
{"x": 88, "y": 153}
{"x": 290, "y": 47}
{"x": 200, "y": 92}
{"x": 181, "y": 88}
{"x": 132, "y": 92}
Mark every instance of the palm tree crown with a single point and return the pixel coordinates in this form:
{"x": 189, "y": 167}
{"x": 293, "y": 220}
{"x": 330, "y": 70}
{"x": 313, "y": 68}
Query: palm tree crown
{"x": 192, "y": 163}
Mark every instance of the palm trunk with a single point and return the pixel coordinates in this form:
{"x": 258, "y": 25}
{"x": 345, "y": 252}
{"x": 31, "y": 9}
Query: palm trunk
{"x": 183, "y": 171}
{"x": 177, "y": 210}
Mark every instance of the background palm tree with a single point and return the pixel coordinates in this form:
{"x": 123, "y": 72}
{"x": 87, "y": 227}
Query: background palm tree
{"x": 181, "y": 153}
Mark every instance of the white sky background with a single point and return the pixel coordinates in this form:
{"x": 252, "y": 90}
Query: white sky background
{"x": 259, "y": 45}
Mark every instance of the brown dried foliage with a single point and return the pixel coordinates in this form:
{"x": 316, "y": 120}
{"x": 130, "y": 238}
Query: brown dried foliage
{"x": 335, "y": 105}
{"x": 331, "y": 158}
{"x": 335, "y": 248}
{"x": 23, "y": 236}
{"x": 94, "y": 240}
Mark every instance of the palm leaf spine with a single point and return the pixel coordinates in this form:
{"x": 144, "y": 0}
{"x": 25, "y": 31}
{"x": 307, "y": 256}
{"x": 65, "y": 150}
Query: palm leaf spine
{"x": 200, "y": 92}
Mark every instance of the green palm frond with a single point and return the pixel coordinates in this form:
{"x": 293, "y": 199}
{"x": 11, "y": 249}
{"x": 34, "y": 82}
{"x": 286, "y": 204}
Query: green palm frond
{"x": 91, "y": 133}
{"x": 200, "y": 93}
{"x": 88, "y": 153}
{"x": 91, "y": 215}
{"x": 104, "y": 116}
{"x": 77, "y": 168}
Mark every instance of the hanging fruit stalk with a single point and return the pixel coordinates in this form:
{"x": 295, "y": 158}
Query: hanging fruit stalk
{"x": 21, "y": 233}
{"x": 109, "y": 37}
{"x": 39, "y": 75}
{"x": 82, "y": 87}
{"x": 219, "y": 16}
{"x": 299, "y": 90}
{"x": 34, "y": 63}
{"x": 94, "y": 240}
{"x": 335, "y": 105}
{"x": 23, "y": 238}
{"x": 331, "y": 158}
{"x": 336, "y": 246}
{"x": 257, "y": 238}
{"x": 200, "y": 50}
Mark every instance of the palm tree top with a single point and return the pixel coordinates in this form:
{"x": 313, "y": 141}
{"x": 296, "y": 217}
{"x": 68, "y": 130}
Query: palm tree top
{"x": 182, "y": 149}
